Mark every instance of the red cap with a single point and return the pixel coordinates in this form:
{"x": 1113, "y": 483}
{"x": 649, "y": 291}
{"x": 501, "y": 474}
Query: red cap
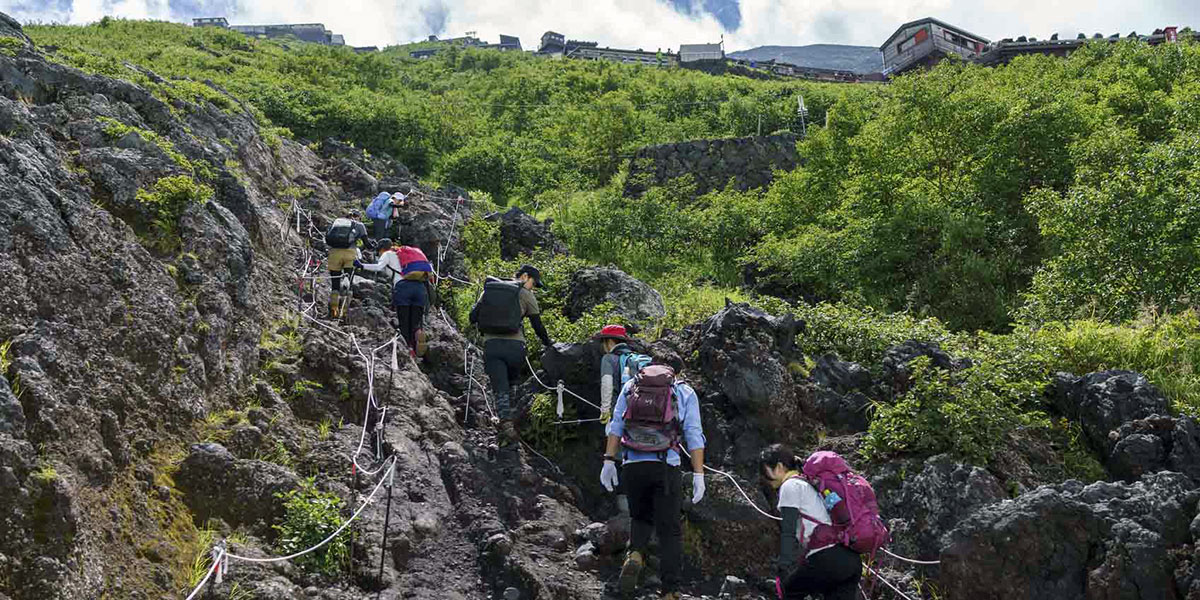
{"x": 614, "y": 332}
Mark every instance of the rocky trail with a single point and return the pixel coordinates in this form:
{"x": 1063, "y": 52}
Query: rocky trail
{"x": 166, "y": 378}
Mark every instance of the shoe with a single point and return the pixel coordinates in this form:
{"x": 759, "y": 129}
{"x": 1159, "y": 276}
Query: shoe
{"x": 630, "y": 572}
{"x": 508, "y": 433}
{"x": 670, "y": 596}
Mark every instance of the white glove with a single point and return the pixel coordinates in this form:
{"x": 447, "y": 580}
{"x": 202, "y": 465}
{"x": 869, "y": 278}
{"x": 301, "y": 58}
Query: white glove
{"x": 697, "y": 487}
{"x": 608, "y": 475}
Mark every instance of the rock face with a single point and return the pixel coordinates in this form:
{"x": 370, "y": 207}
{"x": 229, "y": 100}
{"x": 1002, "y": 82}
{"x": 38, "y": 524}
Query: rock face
{"x": 633, "y": 300}
{"x": 841, "y": 400}
{"x": 1069, "y": 542}
{"x": 1154, "y": 444}
{"x": 923, "y": 500}
{"x": 241, "y": 492}
{"x": 1102, "y": 401}
{"x": 522, "y": 234}
{"x": 749, "y": 162}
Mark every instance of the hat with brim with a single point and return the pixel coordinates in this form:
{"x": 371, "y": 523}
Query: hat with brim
{"x": 531, "y": 271}
{"x": 612, "y": 332}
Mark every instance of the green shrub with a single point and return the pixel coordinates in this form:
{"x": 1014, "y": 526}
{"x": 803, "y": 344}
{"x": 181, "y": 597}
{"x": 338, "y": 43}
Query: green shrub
{"x": 166, "y": 202}
{"x": 862, "y": 334}
{"x": 310, "y": 516}
{"x": 543, "y": 431}
{"x": 968, "y": 413}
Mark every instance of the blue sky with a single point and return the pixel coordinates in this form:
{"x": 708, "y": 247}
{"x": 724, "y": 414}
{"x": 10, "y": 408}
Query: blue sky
{"x": 648, "y": 24}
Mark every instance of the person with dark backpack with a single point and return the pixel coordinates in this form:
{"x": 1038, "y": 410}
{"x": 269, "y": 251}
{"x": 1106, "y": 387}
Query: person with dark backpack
{"x": 342, "y": 239}
{"x": 499, "y": 315}
{"x": 653, "y": 413}
{"x": 410, "y": 274}
{"x": 830, "y": 518}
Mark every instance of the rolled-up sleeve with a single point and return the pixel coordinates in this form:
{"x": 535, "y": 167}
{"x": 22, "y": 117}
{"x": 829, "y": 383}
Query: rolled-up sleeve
{"x": 693, "y": 430}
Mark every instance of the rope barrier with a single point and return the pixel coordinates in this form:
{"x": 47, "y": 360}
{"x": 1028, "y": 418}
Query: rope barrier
{"x": 739, "y": 489}
{"x": 555, "y": 387}
{"x": 910, "y": 560}
{"x": 361, "y": 508}
{"x": 213, "y": 569}
{"x": 888, "y": 583}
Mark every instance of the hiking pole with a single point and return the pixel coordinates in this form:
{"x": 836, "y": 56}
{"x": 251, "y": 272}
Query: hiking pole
{"x": 387, "y": 520}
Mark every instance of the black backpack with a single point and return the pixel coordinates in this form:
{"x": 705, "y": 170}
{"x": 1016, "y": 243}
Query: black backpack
{"x": 340, "y": 234}
{"x": 499, "y": 309}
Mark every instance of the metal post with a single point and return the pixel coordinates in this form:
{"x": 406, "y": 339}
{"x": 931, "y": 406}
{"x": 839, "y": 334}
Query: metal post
{"x": 387, "y": 520}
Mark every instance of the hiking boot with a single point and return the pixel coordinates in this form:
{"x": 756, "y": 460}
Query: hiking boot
{"x": 508, "y": 433}
{"x": 630, "y": 572}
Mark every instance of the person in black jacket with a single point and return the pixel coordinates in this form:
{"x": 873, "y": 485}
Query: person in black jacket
{"x": 504, "y": 353}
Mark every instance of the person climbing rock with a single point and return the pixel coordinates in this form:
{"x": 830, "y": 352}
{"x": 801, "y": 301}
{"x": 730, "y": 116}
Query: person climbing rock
{"x": 410, "y": 275}
{"x": 828, "y": 568}
{"x": 499, "y": 314}
{"x": 652, "y": 413}
{"x": 384, "y": 212}
{"x": 342, "y": 238}
{"x": 619, "y": 365}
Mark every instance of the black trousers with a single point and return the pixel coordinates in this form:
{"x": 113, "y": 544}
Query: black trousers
{"x": 410, "y": 319}
{"x": 654, "y": 492}
{"x": 833, "y": 573}
{"x": 502, "y": 361}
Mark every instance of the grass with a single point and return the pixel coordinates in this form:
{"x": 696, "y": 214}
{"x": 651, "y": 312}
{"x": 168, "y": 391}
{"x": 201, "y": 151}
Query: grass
{"x": 45, "y": 473}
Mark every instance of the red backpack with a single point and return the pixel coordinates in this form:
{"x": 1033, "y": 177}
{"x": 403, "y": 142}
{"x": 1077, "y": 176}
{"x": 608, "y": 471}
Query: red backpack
{"x": 651, "y": 423}
{"x": 851, "y": 503}
{"x": 413, "y": 263}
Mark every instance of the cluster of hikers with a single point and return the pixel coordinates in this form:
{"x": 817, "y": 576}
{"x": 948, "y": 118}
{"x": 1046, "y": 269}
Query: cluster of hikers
{"x": 830, "y": 517}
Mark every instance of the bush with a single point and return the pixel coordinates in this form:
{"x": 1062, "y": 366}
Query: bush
{"x": 165, "y": 204}
{"x": 310, "y": 516}
{"x": 968, "y": 413}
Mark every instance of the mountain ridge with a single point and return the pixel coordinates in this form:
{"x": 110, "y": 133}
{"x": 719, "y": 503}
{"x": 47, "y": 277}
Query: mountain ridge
{"x": 839, "y": 57}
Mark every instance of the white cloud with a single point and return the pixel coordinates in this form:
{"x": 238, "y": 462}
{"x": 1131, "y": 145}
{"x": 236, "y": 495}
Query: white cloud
{"x": 650, "y": 25}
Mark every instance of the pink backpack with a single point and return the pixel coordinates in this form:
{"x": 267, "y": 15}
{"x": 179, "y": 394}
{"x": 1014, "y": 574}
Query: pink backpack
{"x": 851, "y": 504}
{"x": 651, "y": 424}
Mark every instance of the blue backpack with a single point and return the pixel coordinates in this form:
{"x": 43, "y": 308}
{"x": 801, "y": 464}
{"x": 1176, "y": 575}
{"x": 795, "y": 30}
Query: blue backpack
{"x": 630, "y": 364}
{"x": 380, "y": 208}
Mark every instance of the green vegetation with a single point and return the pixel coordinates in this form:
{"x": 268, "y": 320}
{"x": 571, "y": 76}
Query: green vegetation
{"x": 543, "y": 431}
{"x": 310, "y": 516}
{"x": 116, "y": 130}
{"x": 166, "y": 202}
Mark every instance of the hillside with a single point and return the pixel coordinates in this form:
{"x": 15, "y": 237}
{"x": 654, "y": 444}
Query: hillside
{"x": 975, "y": 284}
{"x": 856, "y": 59}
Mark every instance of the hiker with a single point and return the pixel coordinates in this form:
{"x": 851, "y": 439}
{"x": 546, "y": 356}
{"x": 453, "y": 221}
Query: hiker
{"x": 499, "y": 314}
{"x": 342, "y": 238}
{"x": 811, "y": 559}
{"x": 619, "y": 365}
{"x": 410, "y": 274}
{"x": 652, "y": 413}
{"x": 384, "y": 210}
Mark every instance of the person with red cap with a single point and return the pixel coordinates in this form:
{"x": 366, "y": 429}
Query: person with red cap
{"x": 619, "y": 365}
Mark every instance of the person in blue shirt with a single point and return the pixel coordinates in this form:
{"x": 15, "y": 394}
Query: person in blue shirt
{"x": 654, "y": 489}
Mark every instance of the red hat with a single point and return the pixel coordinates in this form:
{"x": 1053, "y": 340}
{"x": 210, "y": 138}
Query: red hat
{"x": 612, "y": 332}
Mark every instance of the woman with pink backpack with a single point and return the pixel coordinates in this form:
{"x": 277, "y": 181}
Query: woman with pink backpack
{"x": 830, "y": 519}
{"x": 411, "y": 274}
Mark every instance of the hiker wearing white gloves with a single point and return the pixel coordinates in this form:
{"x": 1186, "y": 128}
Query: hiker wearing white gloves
{"x": 652, "y": 416}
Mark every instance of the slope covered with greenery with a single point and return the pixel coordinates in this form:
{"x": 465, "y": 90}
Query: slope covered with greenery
{"x": 1036, "y": 217}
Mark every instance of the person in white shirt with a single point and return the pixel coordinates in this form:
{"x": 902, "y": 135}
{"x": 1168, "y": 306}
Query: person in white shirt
{"x": 831, "y": 570}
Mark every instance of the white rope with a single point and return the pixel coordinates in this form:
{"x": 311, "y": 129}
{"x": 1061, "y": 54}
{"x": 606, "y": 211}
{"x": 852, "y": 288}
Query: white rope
{"x": 888, "y": 583}
{"x": 332, "y": 535}
{"x": 739, "y": 488}
{"x": 555, "y": 387}
{"x": 910, "y": 560}
{"x": 539, "y": 454}
{"x": 576, "y": 422}
{"x": 216, "y": 565}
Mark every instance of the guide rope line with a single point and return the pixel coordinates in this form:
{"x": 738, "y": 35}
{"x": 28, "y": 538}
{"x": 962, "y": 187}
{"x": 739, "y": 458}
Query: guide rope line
{"x": 555, "y": 388}
{"x": 391, "y": 466}
{"x": 739, "y": 488}
{"x": 888, "y": 583}
{"x": 911, "y": 560}
{"x": 211, "y": 570}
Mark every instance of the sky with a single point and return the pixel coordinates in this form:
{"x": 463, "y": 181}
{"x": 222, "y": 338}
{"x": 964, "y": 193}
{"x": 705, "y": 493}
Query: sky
{"x": 646, "y": 24}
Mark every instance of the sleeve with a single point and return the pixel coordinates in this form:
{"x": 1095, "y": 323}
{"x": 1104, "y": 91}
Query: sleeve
{"x": 540, "y": 329}
{"x": 473, "y": 317}
{"x": 375, "y": 267}
{"x": 608, "y": 366}
{"x": 360, "y": 230}
{"x": 617, "y": 425}
{"x": 693, "y": 430}
{"x": 787, "y": 540}
{"x": 529, "y": 303}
